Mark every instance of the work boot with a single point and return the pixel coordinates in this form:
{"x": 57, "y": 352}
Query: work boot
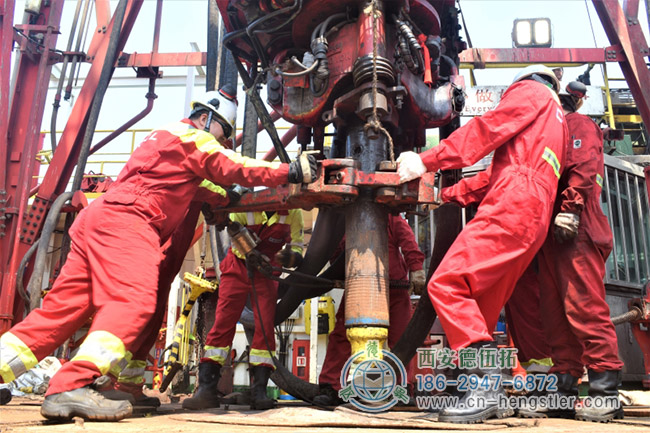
{"x": 106, "y": 385}
{"x": 86, "y": 403}
{"x": 480, "y": 404}
{"x": 136, "y": 392}
{"x": 603, "y": 404}
{"x": 259, "y": 376}
{"x": 328, "y": 396}
{"x": 206, "y": 396}
{"x": 556, "y": 404}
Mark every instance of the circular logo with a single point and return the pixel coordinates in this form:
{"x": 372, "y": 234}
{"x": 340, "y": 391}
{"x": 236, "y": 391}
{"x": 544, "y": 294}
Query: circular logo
{"x": 374, "y": 385}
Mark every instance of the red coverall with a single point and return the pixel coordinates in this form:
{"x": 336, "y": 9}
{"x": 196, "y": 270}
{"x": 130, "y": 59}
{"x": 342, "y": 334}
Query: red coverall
{"x": 400, "y": 235}
{"x": 283, "y": 227}
{"x": 575, "y": 312}
{"x": 174, "y": 251}
{"x": 523, "y": 307}
{"x": 477, "y": 275}
{"x": 112, "y": 268}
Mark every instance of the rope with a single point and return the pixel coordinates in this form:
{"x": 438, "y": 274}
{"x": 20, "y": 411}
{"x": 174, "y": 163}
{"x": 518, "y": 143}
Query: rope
{"x": 373, "y": 121}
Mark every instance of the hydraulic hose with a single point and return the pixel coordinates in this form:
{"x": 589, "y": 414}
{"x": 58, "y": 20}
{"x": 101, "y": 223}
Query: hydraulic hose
{"x": 36, "y": 281}
{"x": 21, "y": 273}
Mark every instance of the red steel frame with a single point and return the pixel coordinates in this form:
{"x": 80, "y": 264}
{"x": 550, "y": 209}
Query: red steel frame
{"x": 20, "y": 228}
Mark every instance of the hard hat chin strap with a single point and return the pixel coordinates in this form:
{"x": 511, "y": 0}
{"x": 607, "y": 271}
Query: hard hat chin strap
{"x": 207, "y": 123}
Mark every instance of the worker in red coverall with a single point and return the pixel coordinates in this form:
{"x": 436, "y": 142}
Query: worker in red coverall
{"x": 528, "y": 135}
{"x": 572, "y": 268}
{"x": 127, "y": 383}
{"x": 275, "y": 230}
{"x": 522, "y": 309}
{"x": 112, "y": 268}
{"x": 404, "y": 266}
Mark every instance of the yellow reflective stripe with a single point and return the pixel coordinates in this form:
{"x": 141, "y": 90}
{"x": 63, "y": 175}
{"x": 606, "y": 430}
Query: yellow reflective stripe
{"x": 242, "y": 160}
{"x": 134, "y": 368}
{"x": 259, "y": 356}
{"x": 203, "y": 141}
{"x": 297, "y": 225}
{"x": 599, "y": 180}
{"x": 15, "y": 357}
{"x": 549, "y": 156}
{"x": 102, "y": 349}
{"x": 217, "y": 354}
{"x": 548, "y": 362}
{"x": 212, "y": 188}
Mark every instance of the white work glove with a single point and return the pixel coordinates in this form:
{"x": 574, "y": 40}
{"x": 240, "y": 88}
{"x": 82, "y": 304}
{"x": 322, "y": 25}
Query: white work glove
{"x": 566, "y": 226}
{"x": 410, "y": 166}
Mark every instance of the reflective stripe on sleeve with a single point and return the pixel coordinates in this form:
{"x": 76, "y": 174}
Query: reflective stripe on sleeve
{"x": 549, "y": 156}
{"x": 102, "y": 349}
{"x": 213, "y": 188}
{"x": 15, "y": 357}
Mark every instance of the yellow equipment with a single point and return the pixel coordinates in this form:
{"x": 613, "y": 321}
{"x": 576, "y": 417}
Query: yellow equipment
{"x": 326, "y": 315}
{"x": 179, "y": 348}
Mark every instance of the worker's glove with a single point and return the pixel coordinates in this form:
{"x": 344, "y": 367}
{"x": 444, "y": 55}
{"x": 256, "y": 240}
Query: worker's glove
{"x": 418, "y": 280}
{"x": 259, "y": 261}
{"x": 235, "y": 192}
{"x": 288, "y": 258}
{"x": 218, "y": 219}
{"x": 410, "y": 166}
{"x": 566, "y": 226}
{"x": 303, "y": 169}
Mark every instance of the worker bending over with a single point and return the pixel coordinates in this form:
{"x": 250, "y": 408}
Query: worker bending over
{"x": 112, "y": 268}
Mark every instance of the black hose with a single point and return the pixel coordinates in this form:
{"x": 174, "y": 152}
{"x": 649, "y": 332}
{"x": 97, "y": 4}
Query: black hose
{"x": 36, "y": 281}
{"x": 21, "y": 273}
{"x": 105, "y": 77}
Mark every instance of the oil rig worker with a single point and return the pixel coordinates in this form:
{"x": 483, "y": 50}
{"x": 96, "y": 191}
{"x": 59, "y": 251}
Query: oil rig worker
{"x": 275, "y": 229}
{"x": 127, "y": 383}
{"x": 572, "y": 267}
{"x": 528, "y": 134}
{"x": 523, "y": 308}
{"x": 112, "y": 269}
{"x": 405, "y": 264}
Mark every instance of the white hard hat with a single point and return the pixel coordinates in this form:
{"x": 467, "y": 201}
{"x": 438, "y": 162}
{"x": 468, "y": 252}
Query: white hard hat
{"x": 540, "y": 70}
{"x": 222, "y": 104}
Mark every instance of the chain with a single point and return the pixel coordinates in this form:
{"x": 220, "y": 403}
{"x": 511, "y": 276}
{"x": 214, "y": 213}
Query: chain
{"x": 373, "y": 121}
